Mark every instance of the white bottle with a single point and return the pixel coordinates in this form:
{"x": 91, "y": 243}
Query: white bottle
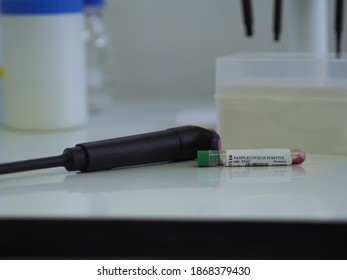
{"x": 98, "y": 69}
{"x": 44, "y": 60}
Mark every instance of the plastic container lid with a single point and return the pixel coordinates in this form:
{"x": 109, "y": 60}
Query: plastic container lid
{"x": 95, "y": 3}
{"x": 208, "y": 158}
{"x": 34, "y": 7}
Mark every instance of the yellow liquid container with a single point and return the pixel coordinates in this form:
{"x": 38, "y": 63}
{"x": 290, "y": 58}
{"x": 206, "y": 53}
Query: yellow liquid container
{"x": 282, "y": 101}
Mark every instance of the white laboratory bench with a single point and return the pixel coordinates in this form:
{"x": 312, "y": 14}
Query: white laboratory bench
{"x": 167, "y": 210}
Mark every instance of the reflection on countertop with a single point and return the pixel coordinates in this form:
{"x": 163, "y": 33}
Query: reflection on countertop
{"x": 268, "y": 174}
{"x": 315, "y": 190}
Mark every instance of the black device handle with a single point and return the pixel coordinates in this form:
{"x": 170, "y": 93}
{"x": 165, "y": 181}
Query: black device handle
{"x": 174, "y": 144}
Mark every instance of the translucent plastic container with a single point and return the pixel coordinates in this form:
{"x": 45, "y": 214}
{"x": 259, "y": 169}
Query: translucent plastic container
{"x": 282, "y": 101}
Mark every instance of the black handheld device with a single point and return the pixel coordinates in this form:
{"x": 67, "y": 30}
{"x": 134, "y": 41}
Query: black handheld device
{"x": 170, "y": 145}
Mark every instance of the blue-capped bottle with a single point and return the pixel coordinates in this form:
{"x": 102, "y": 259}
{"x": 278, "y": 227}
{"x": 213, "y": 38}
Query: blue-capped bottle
{"x": 98, "y": 55}
{"x": 44, "y": 61}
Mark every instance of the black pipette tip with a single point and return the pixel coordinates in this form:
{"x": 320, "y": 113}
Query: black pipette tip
{"x": 247, "y": 17}
{"x": 249, "y": 31}
{"x": 338, "y": 45}
{"x": 338, "y": 25}
{"x": 277, "y": 19}
{"x": 276, "y": 37}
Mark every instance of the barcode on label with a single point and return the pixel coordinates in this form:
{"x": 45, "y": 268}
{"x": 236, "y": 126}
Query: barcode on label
{"x": 257, "y": 164}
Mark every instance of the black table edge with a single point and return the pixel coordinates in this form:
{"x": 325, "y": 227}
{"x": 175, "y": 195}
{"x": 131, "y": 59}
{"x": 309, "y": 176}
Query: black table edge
{"x": 78, "y": 238}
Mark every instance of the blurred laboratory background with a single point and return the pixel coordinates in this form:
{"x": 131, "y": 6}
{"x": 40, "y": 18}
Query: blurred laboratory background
{"x": 168, "y": 48}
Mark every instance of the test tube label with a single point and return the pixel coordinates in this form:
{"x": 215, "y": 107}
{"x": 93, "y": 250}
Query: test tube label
{"x": 263, "y": 157}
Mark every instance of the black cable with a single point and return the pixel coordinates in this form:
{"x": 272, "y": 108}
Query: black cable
{"x": 33, "y": 164}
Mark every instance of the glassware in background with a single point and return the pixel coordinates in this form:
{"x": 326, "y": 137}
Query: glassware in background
{"x": 97, "y": 44}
